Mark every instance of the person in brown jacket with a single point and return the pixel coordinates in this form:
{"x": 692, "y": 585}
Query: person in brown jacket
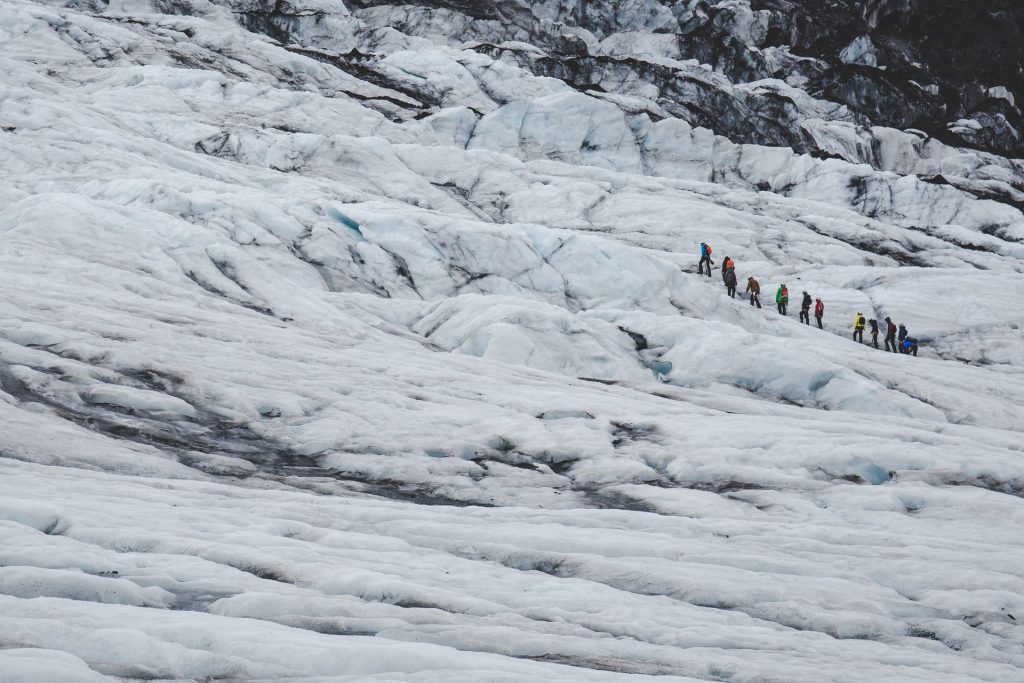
{"x": 755, "y": 291}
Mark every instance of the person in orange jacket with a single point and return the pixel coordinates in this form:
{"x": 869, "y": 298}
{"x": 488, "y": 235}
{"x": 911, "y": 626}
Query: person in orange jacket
{"x": 727, "y": 265}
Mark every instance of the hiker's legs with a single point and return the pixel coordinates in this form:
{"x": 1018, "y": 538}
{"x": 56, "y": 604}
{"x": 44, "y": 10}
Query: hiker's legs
{"x": 818, "y": 318}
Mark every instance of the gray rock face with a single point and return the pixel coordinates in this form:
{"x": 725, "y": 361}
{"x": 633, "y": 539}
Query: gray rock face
{"x": 951, "y": 68}
{"x": 935, "y": 62}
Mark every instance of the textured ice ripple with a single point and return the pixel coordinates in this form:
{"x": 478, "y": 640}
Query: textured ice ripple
{"x": 371, "y": 357}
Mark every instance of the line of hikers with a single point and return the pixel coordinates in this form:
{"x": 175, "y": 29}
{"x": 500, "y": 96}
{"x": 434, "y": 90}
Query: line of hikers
{"x": 896, "y": 339}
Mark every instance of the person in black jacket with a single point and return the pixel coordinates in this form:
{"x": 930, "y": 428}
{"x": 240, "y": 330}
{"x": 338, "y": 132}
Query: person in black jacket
{"x": 730, "y": 282}
{"x": 874, "y": 331}
{"x": 805, "y": 309}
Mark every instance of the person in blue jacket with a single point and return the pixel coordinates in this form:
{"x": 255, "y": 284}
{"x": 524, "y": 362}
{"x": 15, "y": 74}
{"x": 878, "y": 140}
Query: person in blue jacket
{"x": 705, "y": 259}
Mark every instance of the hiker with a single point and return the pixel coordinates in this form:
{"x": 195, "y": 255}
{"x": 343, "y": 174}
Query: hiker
{"x": 890, "y": 335}
{"x": 902, "y": 336}
{"x": 754, "y": 287}
{"x": 727, "y": 265}
{"x": 858, "y": 327}
{"x": 805, "y": 309}
{"x": 730, "y": 282}
{"x": 909, "y": 346}
{"x": 874, "y": 331}
{"x": 705, "y": 259}
{"x": 819, "y": 311}
{"x": 782, "y": 298}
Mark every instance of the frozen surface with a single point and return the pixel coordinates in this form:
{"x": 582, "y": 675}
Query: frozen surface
{"x": 326, "y": 367}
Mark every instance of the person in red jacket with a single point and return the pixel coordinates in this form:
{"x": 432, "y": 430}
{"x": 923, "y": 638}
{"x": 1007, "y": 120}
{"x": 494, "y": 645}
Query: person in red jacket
{"x": 819, "y": 311}
{"x": 890, "y": 335}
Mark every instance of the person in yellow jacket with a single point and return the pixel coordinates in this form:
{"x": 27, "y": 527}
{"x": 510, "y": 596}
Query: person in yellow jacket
{"x": 859, "y": 321}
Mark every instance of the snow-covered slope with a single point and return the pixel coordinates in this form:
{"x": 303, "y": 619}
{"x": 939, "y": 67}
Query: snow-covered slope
{"x": 365, "y": 342}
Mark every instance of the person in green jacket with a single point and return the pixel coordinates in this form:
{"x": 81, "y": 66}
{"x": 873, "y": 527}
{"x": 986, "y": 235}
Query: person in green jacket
{"x": 782, "y": 298}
